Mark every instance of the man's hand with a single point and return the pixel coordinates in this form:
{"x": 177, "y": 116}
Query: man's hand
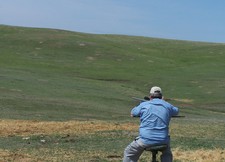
{"x": 146, "y": 98}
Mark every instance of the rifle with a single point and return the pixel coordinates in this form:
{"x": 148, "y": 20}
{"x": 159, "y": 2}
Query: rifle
{"x": 148, "y": 99}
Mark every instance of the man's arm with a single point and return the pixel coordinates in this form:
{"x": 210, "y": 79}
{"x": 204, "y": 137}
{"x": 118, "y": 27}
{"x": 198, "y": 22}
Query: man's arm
{"x": 175, "y": 110}
{"x": 136, "y": 111}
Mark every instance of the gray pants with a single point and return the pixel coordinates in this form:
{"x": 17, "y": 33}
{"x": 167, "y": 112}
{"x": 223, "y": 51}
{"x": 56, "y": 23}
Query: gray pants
{"x": 134, "y": 150}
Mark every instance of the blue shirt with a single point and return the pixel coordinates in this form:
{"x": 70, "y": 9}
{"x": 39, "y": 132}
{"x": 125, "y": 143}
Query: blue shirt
{"x": 154, "y": 116}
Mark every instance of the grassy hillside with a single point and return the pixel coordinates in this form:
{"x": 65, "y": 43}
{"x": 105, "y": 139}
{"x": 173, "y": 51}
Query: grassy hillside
{"x": 51, "y": 70}
{"x": 56, "y": 75}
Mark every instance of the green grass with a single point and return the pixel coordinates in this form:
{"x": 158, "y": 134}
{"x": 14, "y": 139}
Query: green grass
{"x": 49, "y": 65}
{"x": 56, "y": 75}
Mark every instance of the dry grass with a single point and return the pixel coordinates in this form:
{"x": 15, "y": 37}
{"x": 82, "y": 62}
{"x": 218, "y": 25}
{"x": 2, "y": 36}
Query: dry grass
{"x": 26, "y": 128}
{"x": 183, "y": 100}
{"x": 6, "y": 155}
{"x": 217, "y": 155}
{"x": 59, "y": 155}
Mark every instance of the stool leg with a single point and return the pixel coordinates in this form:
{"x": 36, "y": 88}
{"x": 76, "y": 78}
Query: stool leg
{"x": 154, "y": 153}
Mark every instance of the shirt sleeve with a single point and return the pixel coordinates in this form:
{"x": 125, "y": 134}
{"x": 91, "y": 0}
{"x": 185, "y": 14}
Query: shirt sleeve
{"x": 174, "y": 110}
{"x": 136, "y": 111}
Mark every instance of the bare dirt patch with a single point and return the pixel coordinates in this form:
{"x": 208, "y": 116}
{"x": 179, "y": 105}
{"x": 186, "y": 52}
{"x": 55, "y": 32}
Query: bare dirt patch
{"x": 90, "y": 58}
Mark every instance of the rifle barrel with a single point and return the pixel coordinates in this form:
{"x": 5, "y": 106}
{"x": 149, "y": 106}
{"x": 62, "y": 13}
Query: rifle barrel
{"x": 178, "y": 116}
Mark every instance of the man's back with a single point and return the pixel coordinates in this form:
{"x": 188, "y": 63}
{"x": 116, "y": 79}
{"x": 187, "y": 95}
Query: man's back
{"x": 155, "y": 116}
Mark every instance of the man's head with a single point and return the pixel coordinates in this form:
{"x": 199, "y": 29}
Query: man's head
{"x": 156, "y": 92}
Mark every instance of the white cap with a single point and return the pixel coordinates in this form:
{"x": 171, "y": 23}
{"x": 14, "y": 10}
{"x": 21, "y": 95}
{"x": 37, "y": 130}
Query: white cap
{"x": 155, "y": 89}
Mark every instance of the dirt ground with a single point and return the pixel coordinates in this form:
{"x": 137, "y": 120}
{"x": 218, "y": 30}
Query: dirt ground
{"x": 25, "y": 129}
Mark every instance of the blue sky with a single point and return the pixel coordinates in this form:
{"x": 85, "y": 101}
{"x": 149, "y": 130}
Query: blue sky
{"x": 196, "y": 20}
